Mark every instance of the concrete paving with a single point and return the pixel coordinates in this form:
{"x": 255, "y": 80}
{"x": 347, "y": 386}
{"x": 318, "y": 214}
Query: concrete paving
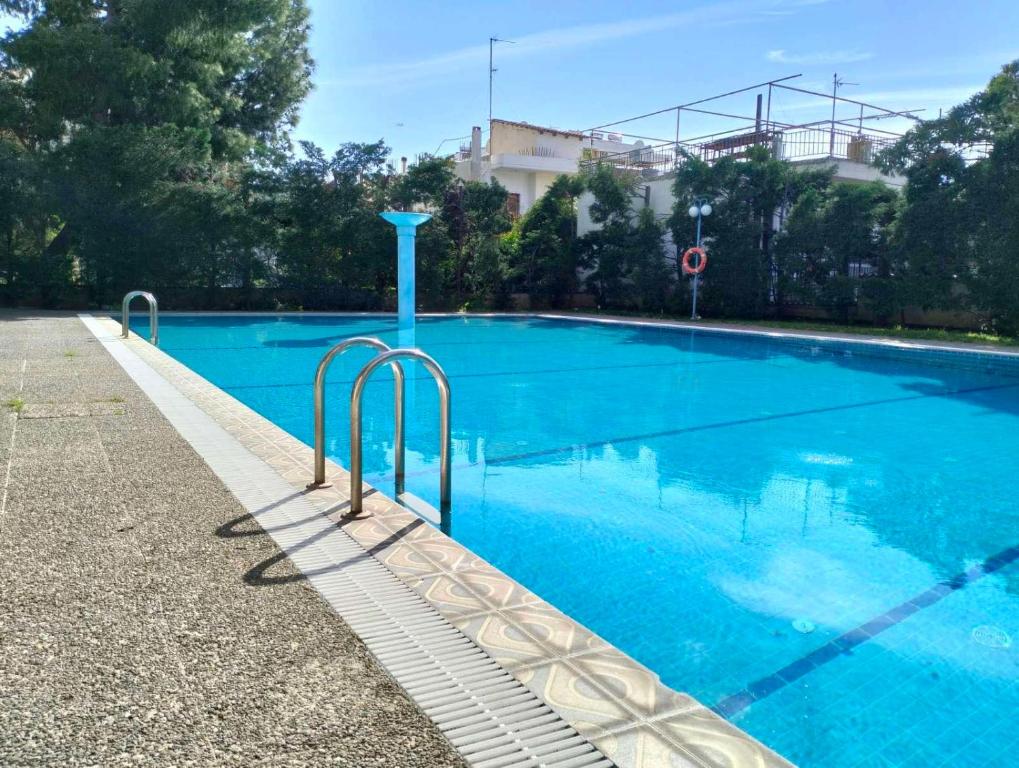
{"x": 128, "y": 635}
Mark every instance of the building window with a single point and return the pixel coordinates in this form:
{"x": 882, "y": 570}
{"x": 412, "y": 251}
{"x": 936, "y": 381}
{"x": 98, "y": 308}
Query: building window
{"x": 513, "y": 205}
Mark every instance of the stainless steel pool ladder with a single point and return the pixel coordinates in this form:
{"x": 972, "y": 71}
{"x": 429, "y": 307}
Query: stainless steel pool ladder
{"x": 442, "y": 382}
{"x": 320, "y": 417}
{"x": 125, "y": 315}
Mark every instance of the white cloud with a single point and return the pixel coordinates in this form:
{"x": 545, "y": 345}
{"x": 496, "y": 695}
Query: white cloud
{"x": 781, "y": 56}
{"x": 560, "y": 39}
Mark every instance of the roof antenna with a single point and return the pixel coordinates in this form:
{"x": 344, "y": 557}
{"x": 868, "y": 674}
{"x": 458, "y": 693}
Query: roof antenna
{"x": 491, "y": 71}
{"x": 836, "y": 83}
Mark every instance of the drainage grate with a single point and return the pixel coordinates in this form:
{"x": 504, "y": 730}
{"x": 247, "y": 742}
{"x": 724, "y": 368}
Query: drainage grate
{"x": 492, "y": 719}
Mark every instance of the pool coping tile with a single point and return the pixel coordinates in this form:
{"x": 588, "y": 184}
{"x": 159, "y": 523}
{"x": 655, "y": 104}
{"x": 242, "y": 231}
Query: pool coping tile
{"x": 612, "y": 700}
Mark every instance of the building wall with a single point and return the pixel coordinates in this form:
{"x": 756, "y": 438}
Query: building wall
{"x": 852, "y": 170}
{"x": 530, "y": 185}
{"x": 512, "y": 139}
{"x": 527, "y": 158}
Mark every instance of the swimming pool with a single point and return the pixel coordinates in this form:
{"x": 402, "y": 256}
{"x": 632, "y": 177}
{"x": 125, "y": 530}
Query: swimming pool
{"x": 819, "y": 540}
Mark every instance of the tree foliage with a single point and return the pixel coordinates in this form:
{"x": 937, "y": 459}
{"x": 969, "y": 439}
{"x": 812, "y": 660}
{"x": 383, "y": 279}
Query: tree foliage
{"x": 625, "y": 254}
{"x": 140, "y": 116}
{"x": 833, "y": 233}
{"x": 146, "y": 143}
{"x": 541, "y": 256}
{"x": 746, "y": 194}
{"x": 956, "y": 234}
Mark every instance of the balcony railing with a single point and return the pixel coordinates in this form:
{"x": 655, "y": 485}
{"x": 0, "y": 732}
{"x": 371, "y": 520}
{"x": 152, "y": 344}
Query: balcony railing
{"x": 464, "y": 152}
{"x": 813, "y": 143}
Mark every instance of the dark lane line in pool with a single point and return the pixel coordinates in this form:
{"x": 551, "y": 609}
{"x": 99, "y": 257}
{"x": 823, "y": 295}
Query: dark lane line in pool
{"x": 846, "y": 642}
{"x": 705, "y": 427}
{"x": 529, "y": 372}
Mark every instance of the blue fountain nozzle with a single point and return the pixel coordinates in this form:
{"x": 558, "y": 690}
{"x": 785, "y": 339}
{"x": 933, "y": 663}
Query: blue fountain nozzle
{"x": 405, "y": 218}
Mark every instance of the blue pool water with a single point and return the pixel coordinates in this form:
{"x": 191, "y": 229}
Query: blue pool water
{"x": 701, "y": 499}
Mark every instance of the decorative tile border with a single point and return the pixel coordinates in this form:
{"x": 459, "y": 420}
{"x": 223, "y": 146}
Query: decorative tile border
{"x": 610, "y": 699}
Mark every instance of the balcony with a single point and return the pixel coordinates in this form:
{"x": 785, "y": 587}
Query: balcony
{"x": 797, "y": 144}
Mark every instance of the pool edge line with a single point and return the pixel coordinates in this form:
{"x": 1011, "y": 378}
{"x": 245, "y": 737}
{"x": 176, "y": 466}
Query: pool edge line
{"x": 609, "y": 699}
{"x": 1009, "y": 352}
{"x": 834, "y": 337}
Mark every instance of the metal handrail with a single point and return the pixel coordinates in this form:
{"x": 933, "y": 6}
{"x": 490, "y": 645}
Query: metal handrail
{"x": 356, "y": 495}
{"x": 320, "y": 417}
{"x": 125, "y": 315}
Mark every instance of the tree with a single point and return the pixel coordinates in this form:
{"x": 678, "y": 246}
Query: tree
{"x": 25, "y": 227}
{"x": 957, "y": 234}
{"x": 652, "y": 278}
{"x": 142, "y": 113}
{"x": 475, "y": 214}
{"x": 994, "y": 280}
{"x": 625, "y": 254}
{"x": 426, "y": 183}
{"x": 458, "y": 251}
{"x": 930, "y": 234}
{"x": 606, "y": 250}
{"x": 541, "y": 255}
{"x": 746, "y": 194}
{"x": 831, "y": 233}
{"x": 329, "y": 232}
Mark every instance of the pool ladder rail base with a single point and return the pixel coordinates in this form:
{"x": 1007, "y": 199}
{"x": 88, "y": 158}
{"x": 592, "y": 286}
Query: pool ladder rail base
{"x": 392, "y": 358}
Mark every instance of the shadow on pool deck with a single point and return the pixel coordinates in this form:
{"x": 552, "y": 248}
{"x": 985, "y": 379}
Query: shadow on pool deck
{"x": 256, "y": 575}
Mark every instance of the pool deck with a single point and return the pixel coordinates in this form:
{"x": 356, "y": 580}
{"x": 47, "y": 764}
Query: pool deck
{"x": 128, "y": 634}
{"x": 591, "y": 701}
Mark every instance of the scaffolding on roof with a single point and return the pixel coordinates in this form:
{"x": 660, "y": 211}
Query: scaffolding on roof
{"x": 832, "y": 138}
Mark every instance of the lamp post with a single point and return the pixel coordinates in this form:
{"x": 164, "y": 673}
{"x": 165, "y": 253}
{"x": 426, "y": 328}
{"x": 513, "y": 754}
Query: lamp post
{"x": 700, "y": 208}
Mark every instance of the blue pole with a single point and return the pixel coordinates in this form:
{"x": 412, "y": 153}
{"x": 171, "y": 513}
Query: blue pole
{"x": 405, "y": 277}
{"x": 406, "y": 224}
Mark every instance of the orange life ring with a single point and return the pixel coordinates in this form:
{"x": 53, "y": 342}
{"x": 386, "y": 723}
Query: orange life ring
{"x": 702, "y": 262}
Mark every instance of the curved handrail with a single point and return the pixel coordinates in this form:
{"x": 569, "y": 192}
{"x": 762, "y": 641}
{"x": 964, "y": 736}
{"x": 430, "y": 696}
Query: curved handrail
{"x": 320, "y": 417}
{"x": 125, "y": 315}
{"x": 356, "y": 494}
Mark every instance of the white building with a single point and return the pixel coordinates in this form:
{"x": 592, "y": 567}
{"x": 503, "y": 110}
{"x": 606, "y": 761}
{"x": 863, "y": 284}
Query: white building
{"x": 526, "y": 158}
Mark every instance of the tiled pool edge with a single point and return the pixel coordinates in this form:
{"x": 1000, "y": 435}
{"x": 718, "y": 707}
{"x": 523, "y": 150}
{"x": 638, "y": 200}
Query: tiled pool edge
{"x": 610, "y": 699}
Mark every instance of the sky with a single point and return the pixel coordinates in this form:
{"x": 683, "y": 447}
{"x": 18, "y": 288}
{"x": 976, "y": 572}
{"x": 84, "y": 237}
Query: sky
{"x": 415, "y": 73}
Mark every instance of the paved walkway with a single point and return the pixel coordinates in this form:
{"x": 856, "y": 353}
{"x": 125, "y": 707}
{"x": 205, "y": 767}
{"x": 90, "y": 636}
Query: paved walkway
{"x": 127, "y": 633}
